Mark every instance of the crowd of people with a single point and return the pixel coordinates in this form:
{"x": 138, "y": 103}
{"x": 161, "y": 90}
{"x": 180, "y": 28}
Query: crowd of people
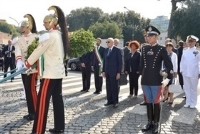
{"x": 158, "y": 65}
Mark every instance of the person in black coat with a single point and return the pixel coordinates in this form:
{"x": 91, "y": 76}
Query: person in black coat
{"x": 9, "y": 57}
{"x": 85, "y": 61}
{"x": 180, "y": 53}
{"x": 132, "y": 67}
{"x": 97, "y": 62}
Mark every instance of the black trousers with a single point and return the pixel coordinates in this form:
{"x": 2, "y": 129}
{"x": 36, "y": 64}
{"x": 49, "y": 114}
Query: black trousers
{"x": 98, "y": 79}
{"x": 29, "y": 82}
{"x": 112, "y": 91}
{"x": 48, "y": 88}
{"x": 180, "y": 76}
{"x": 86, "y": 75}
{"x": 8, "y": 63}
{"x": 133, "y": 82}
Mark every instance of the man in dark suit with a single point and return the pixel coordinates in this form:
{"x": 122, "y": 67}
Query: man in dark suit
{"x": 85, "y": 61}
{"x": 9, "y": 58}
{"x": 180, "y": 53}
{"x": 126, "y": 52}
{"x": 97, "y": 62}
{"x": 112, "y": 66}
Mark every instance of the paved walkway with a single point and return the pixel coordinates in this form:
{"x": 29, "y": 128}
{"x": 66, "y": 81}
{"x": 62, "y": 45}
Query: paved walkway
{"x": 85, "y": 113}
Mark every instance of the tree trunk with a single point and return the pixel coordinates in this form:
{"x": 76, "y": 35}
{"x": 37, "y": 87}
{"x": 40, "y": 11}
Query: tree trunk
{"x": 174, "y": 7}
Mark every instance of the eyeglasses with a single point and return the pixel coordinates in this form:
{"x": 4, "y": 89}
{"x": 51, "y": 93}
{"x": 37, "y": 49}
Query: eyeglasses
{"x": 107, "y": 41}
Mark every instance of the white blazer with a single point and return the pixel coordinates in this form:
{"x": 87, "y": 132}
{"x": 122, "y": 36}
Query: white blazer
{"x": 174, "y": 59}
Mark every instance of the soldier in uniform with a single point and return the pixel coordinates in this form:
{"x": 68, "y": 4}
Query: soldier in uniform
{"x": 54, "y": 47}
{"x": 28, "y": 30}
{"x": 189, "y": 68}
{"x": 151, "y": 61}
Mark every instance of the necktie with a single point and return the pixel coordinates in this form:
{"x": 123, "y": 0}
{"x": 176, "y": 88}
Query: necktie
{"x": 109, "y": 51}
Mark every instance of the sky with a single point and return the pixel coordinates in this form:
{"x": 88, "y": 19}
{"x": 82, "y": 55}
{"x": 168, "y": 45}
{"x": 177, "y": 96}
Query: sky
{"x": 16, "y": 9}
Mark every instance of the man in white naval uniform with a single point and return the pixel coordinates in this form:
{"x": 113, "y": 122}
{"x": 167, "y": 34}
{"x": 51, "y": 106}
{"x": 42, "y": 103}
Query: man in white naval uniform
{"x": 190, "y": 69}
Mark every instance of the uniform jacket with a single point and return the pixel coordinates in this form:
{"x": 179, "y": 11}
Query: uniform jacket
{"x": 190, "y": 62}
{"x": 113, "y": 62}
{"x": 151, "y": 63}
{"x": 21, "y": 47}
{"x": 95, "y": 62}
{"x": 51, "y": 46}
{"x": 133, "y": 62}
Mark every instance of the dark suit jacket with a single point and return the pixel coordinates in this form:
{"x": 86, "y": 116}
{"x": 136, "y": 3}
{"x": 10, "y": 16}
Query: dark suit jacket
{"x": 133, "y": 62}
{"x": 6, "y": 48}
{"x": 126, "y": 53}
{"x": 86, "y": 59}
{"x": 113, "y": 63}
{"x": 180, "y": 53}
{"x": 95, "y": 62}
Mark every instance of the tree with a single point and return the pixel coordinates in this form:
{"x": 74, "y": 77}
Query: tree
{"x": 81, "y": 41}
{"x": 186, "y": 20}
{"x": 7, "y": 28}
{"x": 83, "y": 18}
{"x": 106, "y": 29}
{"x": 174, "y": 8}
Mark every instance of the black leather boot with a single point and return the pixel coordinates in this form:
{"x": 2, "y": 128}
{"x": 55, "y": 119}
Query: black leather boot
{"x": 155, "y": 129}
{"x": 149, "y": 116}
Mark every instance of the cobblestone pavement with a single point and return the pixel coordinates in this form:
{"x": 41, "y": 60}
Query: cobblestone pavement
{"x": 85, "y": 113}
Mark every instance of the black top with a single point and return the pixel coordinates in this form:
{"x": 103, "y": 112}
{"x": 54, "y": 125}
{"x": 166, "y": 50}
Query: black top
{"x": 151, "y": 63}
{"x": 86, "y": 59}
{"x": 133, "y": 62}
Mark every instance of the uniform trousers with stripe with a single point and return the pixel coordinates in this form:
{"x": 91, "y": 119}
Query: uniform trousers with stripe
{"x": 152, "y": 93}
{"x": 48, "y": 88}
{"x": 29, "y": 82}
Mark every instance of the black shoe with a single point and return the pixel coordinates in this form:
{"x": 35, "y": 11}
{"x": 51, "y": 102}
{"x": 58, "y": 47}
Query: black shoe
{"x": 29, "y": 117}
{"x": 107, "y": 104}
{"x": 143, "y": 103}
{"x": 97, "y": 92}
{"x": 155, "y": 128}
{"x": 147, "y": 127}
{"x": 56, "y": 131}
{"x": 115, "y": 105}
{"x": 83, "y": 90}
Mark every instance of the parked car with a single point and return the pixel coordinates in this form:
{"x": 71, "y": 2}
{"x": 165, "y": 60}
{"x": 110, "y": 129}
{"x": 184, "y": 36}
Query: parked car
{"x": 74, "y": 64}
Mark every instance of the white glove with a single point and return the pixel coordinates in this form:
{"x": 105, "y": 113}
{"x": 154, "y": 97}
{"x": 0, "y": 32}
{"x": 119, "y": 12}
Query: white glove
{"x": 165, "y": 82}
{"x": 20, "y": 64}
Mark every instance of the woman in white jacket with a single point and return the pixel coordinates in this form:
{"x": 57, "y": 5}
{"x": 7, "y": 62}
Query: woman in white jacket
{"x": 174, "y": 59}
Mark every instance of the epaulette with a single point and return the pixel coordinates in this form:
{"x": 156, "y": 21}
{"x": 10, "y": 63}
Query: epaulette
{"x": 44, "y": 37}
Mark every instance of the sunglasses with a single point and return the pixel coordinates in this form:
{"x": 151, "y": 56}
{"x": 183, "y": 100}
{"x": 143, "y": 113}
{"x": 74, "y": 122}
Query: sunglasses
{"x": 108, "y": 42}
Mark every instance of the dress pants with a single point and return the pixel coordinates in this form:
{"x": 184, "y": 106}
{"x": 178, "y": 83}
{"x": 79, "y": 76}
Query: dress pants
{"x": 112, "y": 89}
{"x": 190, "y": 88}
{"x": 133, "y": 82}
{"x": 48, "y": 88}
{"x": 8, "y": 63}
{"x": 29, "y": 82}
{"x": 86, "y": 75}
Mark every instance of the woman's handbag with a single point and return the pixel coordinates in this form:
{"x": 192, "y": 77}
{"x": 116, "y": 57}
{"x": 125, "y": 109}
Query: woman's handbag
{"x": 123, "y": 79}
{"x": 175, "y": 87}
